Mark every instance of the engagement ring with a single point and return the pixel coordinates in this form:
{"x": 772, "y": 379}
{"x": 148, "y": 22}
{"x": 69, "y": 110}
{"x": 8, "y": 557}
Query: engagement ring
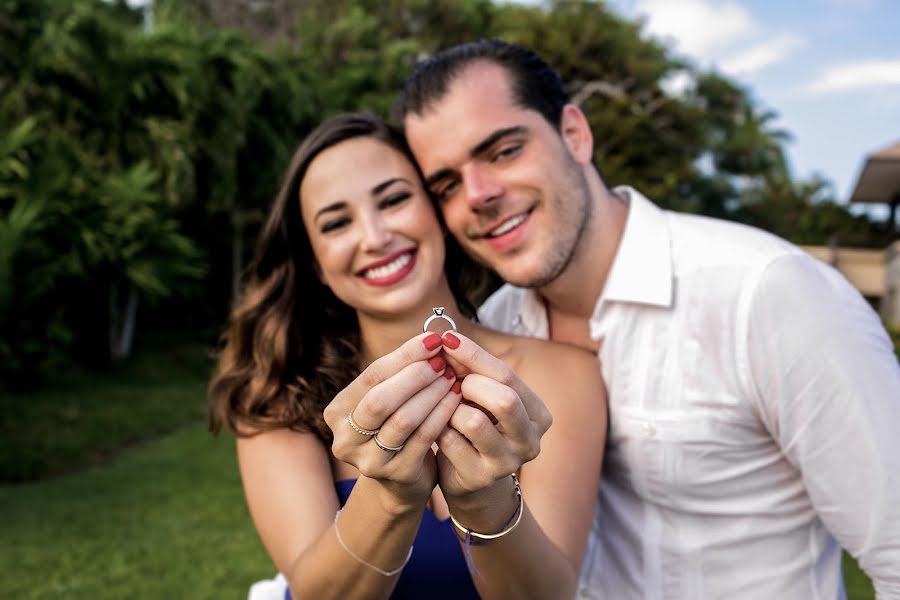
{"x": 438, "y": 314}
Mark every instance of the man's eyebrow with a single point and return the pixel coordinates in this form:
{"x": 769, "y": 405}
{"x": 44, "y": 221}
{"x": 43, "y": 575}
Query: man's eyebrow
{"x": 492, "y": 139}
{"x": 478, "y": 150}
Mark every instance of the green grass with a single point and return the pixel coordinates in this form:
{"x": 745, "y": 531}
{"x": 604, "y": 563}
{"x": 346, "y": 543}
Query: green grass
{"x": 858, "y": 585}
{"x": 164, "y": 520}
{"x": 81, "y": 418}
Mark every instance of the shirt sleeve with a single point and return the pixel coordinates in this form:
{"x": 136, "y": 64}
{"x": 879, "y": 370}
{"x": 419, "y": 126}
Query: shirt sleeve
{"x": 827, "y": 381}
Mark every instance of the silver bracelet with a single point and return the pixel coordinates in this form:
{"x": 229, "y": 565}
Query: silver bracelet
{"x": 363, "y": 561}
{"x": 515, "y": 519}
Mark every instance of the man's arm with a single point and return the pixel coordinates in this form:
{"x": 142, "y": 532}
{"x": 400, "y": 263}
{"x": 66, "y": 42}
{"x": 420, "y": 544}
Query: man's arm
{"x": 828, "y": 385}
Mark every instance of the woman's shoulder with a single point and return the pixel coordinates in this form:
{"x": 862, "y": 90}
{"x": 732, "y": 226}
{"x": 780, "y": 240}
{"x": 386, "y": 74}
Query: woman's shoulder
{"x": 536, "y": 360}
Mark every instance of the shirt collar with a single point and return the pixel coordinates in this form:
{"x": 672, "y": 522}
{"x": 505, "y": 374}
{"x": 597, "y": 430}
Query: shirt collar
{"x": 642, "y": 270}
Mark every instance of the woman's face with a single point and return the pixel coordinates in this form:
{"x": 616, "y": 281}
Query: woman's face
{"x": 372, "y": 228}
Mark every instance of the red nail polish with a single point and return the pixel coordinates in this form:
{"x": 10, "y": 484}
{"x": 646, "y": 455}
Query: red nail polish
{"x": 451, "y": 341}
{"x": 449, "y": 374}
{"x": 437, "y": 363}
{"x": 432, "y": 341}
{"x": 457, "y": 387}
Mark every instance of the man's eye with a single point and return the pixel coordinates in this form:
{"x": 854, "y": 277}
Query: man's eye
{"x": 447, "y": 190}
{"x": 508, "y": 152}
{"x": 394, "y": 200}
{"x": 335, "y": 224}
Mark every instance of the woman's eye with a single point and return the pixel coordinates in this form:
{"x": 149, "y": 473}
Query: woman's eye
{"x": 334, "y": 224}
{"x": 394, "y": 199}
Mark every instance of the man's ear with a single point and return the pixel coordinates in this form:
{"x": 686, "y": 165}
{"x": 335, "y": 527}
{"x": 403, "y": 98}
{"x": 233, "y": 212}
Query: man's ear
{"x": 576, "y": 133}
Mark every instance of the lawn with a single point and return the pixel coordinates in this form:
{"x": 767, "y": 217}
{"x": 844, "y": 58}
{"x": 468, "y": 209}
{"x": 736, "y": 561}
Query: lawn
{"x": 163, "y": 520}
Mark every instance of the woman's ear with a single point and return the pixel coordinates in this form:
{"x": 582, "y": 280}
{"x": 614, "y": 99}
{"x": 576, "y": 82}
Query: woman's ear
{"x": 576, "y": 133}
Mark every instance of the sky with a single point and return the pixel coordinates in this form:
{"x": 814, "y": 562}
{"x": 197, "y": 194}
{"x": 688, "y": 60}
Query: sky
{"x": 829, "y": 68}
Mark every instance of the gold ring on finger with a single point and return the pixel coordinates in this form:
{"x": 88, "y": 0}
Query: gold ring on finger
{"x": 357, "y": 428}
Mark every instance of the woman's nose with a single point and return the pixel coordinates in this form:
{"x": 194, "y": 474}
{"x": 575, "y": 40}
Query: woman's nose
{"x": 376, "y": 234}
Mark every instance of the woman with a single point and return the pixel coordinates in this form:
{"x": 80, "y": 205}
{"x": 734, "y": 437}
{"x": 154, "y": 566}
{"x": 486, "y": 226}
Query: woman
{"x": 359, "y": 436}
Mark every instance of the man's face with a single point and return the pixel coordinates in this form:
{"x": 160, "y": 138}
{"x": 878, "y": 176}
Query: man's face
{"x": 510, "y": 189}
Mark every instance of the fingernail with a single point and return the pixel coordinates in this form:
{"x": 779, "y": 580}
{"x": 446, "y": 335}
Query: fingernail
{"x": 449, "y": 374}
{"x": 456, "y": 387}
{"x": 451, "y": 341}
{"x": 432, "y": 341}
{"x": 437, "y": 363}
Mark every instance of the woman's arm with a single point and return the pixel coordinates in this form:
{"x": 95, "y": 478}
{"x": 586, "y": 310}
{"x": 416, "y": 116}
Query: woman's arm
{"x": 290, "y": 488}
{"x": 541, "y": 558}
{"x": 291, "y": 496}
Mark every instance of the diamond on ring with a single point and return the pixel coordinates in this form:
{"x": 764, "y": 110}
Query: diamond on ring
{"x": 385, "y": 447}
{"x": 357, "y": 428}
{"x": 438, "y": 314}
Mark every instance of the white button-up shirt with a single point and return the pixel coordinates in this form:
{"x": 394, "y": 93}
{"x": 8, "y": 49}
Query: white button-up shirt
{"x": 754, "y": 418}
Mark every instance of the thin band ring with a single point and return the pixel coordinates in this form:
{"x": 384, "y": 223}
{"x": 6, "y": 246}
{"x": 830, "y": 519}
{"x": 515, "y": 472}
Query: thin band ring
{"x": 438, "y": 314}
{"x": 385, "y": 447}
{"x": 359, "y": 429}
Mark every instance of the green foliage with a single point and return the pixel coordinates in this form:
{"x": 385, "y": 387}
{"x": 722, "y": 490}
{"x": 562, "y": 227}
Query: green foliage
{"x": 145, "y": 159}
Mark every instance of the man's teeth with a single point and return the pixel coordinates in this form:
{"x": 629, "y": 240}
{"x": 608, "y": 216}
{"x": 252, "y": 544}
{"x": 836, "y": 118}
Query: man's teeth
{"x": 509, "y": 225}
{"x": 388, "y": 269}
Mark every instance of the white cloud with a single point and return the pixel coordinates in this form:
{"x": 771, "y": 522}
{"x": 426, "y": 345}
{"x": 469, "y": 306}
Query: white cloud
{"x": 678, "y": 83}
{"x": 858, "y": 75}
{"x": 762, "y": 55}
{"x": 697, "y": 27}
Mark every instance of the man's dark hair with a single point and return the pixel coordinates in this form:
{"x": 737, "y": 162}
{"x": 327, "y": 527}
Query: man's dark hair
{"x": 534, "y": 84}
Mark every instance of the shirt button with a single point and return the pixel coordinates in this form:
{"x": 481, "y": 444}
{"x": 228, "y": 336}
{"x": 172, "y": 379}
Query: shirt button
{"x": 584, "y": 592}
{"x": 649, "y": 429}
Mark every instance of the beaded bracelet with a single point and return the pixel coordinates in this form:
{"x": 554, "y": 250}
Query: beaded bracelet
{"x": 514, "y": 519}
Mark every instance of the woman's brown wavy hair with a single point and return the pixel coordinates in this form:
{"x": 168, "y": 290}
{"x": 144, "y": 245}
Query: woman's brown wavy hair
{"x": 290, "y": 345}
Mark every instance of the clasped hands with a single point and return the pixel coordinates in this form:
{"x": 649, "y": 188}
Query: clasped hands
{"x": 437, "y": 390}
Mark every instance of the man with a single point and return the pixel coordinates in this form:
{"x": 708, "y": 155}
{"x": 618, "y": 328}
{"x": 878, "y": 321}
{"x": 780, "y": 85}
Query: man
{"x": 754, "y": 395}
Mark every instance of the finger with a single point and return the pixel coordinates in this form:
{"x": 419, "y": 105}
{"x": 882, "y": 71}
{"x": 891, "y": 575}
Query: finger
{"x": 383, "y": 400}
{"x": 421, "y": 440}
{"x": 473, "y": 358}
{"x": 500, "y": 402}
{"x": 477, "y": 428}
{"x": 410, "y": 416}
{"x": 421, "y": 347}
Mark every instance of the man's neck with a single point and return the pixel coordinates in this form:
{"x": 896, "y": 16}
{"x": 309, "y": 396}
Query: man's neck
{"x": 572, "y": 297}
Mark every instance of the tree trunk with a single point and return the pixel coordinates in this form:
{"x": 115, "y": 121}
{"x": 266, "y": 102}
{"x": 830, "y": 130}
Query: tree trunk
{"x": 122, "y": 323}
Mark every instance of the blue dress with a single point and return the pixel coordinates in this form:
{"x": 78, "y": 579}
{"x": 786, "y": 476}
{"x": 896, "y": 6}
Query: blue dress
{"x": 437, "y": 568}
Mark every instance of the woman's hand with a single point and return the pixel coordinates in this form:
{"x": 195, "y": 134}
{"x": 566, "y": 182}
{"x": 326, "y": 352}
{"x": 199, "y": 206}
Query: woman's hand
{"x": 407, "y": 397}
{"x": 495, "y": 430}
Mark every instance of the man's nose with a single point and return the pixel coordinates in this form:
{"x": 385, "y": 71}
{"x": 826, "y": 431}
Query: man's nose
{"x": 481, "y": 190}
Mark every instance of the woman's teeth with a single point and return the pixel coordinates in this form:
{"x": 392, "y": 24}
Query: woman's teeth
{"x": 388, "y": 269}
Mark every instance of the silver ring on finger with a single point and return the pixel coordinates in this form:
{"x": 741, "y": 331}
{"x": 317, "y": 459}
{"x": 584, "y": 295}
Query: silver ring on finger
{"x": 438, "y": 314}
{"x": 359, "y": 429}
{"x": 385, "y": 447}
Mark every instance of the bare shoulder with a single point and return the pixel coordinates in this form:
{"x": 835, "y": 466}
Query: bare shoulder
{"x": 545, "y": 365}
